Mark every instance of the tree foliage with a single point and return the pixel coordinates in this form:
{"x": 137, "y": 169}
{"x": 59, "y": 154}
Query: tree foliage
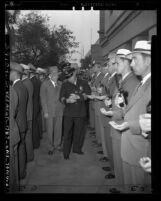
{"x": 39, "y": 44}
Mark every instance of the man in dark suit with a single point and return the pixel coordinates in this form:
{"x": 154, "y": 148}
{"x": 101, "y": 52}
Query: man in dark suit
{"x": 36, "y": 108}
{"x": 52, "y": 109}
{"x": 28, "y": 139}
{"x": 14, "y": 140}
{"x": 73, "y": 95}
{"x": 21, "y": 117}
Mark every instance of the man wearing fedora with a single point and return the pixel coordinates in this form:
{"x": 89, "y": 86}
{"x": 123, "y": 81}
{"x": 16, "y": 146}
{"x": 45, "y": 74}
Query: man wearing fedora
{"x": 133, "y": 144}
{"x": 52, "y": 109}
{"x": 29, "y": 86}
{"x": 36, "y": 108}
{"x": 21, "y": 117}
{"x": 126, "y": 87}
{"x": 73, "y": 94}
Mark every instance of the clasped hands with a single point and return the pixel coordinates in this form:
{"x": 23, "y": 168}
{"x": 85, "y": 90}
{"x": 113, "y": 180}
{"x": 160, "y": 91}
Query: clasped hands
{"x": 72, "y": 98}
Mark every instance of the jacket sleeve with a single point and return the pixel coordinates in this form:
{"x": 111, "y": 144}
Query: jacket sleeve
{"x": 43, "y": 97}
{"x": 134, "y": 127}
{"x": 62, "y": 96}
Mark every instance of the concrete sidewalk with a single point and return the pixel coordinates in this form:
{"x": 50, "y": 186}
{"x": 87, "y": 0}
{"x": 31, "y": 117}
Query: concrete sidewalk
{"x": 53, "y": 174}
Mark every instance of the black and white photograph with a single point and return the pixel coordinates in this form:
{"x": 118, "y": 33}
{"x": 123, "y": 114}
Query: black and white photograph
{"x": 78, "y": 97}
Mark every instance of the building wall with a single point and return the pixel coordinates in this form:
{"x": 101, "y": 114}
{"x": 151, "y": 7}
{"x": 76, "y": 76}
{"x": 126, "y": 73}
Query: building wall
{"x": 123, "y": 28}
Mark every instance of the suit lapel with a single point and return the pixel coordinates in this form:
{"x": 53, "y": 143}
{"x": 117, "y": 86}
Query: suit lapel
{"x": 138, "y": 94}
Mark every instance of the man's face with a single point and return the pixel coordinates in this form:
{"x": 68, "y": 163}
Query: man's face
{"x": 12, "y": 75}
{"x": 111, "y": 65}
{"x": 140, "y": 63}
{"x": 119, "y": 65}
{"x": 54, "y": 75}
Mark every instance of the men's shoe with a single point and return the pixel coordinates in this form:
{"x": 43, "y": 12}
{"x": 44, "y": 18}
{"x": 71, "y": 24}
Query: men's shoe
{"x": 50, "y": 152}
{"x": 106, "y": 169}
{"x": 114, "y": 191}
{"x": 100, "y": 152}
{"x": 94, "y": 141}
{"x": 110, "y": 176}
{"x": 23, "y": 176}
{"x": 66, "y": 157}
{"x": 79, "y": 152}
{"x": 104, "y": 159}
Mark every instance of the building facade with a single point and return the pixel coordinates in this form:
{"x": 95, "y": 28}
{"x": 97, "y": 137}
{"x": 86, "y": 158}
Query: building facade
{"x": 122, "y": 28}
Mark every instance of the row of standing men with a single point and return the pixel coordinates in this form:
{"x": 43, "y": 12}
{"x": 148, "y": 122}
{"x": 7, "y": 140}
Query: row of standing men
{"x": 121, "y": 95}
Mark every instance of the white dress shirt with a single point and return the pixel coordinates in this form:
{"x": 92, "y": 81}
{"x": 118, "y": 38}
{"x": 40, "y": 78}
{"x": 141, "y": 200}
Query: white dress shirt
{"x": 146, "y": 78}
{"x": 15, "y": 82}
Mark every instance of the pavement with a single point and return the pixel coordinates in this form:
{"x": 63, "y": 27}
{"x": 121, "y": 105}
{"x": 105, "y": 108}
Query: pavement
{"x": 80, "y": 174}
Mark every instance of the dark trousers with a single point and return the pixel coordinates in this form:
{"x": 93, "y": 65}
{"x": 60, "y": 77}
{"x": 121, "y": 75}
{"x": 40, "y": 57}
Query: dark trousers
{"x": 74, "y": 133}
{"x": 36, "y": 131}
{"x": 22, "y": 156}
{"x": 29, "y": 143}
{"x": 14, "y": 177}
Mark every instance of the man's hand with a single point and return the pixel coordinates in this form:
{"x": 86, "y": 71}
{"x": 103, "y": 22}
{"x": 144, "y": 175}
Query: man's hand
{"x": 145, "y": 122}
{"x": 107, "y": 102}
{"x": 70, "y": 100}
{"x": 100, "y": 97}
{"x": 105, "y": 112}
{"x": 145, "y": 163}
{"x": 120, "y": 127}
{"x": 46, "y": 115}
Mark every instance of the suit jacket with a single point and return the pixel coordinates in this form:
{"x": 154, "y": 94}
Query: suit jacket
{"x": 128, "y": 84}
{"x": 98, "y": 80}
{"x": 14, "y": 132}
{"x": 50, "y": 99}
{"x": 133, "y": 144}
{"x": 21, "y": 117}
{"x": 36, "y": 96}
{"x": 28, "y": 84}
{"x": 77, "y": 109}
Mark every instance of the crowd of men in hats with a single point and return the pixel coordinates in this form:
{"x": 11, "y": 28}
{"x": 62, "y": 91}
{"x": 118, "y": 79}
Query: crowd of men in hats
{"x": 116, "y": 103}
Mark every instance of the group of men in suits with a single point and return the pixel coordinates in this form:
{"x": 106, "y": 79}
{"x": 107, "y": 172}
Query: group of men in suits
{"x": 119, "y": 120}
{"x": 25, "y": 120}
{"x": 56, "y": 105}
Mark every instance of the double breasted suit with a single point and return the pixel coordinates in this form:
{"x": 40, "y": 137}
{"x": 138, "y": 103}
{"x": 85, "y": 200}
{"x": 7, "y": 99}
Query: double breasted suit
{"x": 21, "y": 119}
{"x": 74, "y": 115}
{"x": 133, "y": 144}
{"x": 36, "y": 129}
{"x": 28, "y": 139}
{"x": 54, "y": 108}
{"x": 14, "y": 140}
{"x": 128, "y": 84}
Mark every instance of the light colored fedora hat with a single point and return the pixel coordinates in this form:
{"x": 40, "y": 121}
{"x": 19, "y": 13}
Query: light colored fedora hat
{"x": 142, "y": 46}
{"x": 124, "y": 53}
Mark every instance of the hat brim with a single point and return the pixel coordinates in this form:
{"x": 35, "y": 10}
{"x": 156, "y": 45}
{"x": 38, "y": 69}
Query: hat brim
{"x": 144, "y": 52}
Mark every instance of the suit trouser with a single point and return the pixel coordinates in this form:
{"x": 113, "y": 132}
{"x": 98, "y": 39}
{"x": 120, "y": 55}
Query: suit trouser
{"x": 14, "y": 177}
{"x": 29, "y": 143}
{"x": 134, "y": 175}
{"x": 22, "y": 156}
{"x": 108, "y": 139}
{"x": 116, "y": 144}
{"x": 43, "y": 122}
{"x": 98, "y": 122}
{"x": 73, "y": 132}
{"x": 54, "y": 131}
{"x": 92, "y": 114}
{"x": 40, "y": 124}
{"x": 103, "y": 135}
{"x": 35, "y": 131}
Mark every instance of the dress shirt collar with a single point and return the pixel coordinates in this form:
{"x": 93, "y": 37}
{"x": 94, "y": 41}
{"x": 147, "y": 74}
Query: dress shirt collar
{"x": 112, "y": 75}
{"x": 54, "y": 84}
{"x": 125, "y": 75}
{"x": 146, "y": 78}
{"x": 15, "y": 82}
{"x": 106, "y": 75}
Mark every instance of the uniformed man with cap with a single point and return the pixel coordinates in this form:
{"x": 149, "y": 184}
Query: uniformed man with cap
{"x": 126, "y": 87}
{"x": 21, "y": 117}
{"x": 73, "y": 94}
{"x": 52, "y": 109}
{"x": 133, "y": 144}
{"x": 37, "y": 131}
{"x": 28, "y": 139}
